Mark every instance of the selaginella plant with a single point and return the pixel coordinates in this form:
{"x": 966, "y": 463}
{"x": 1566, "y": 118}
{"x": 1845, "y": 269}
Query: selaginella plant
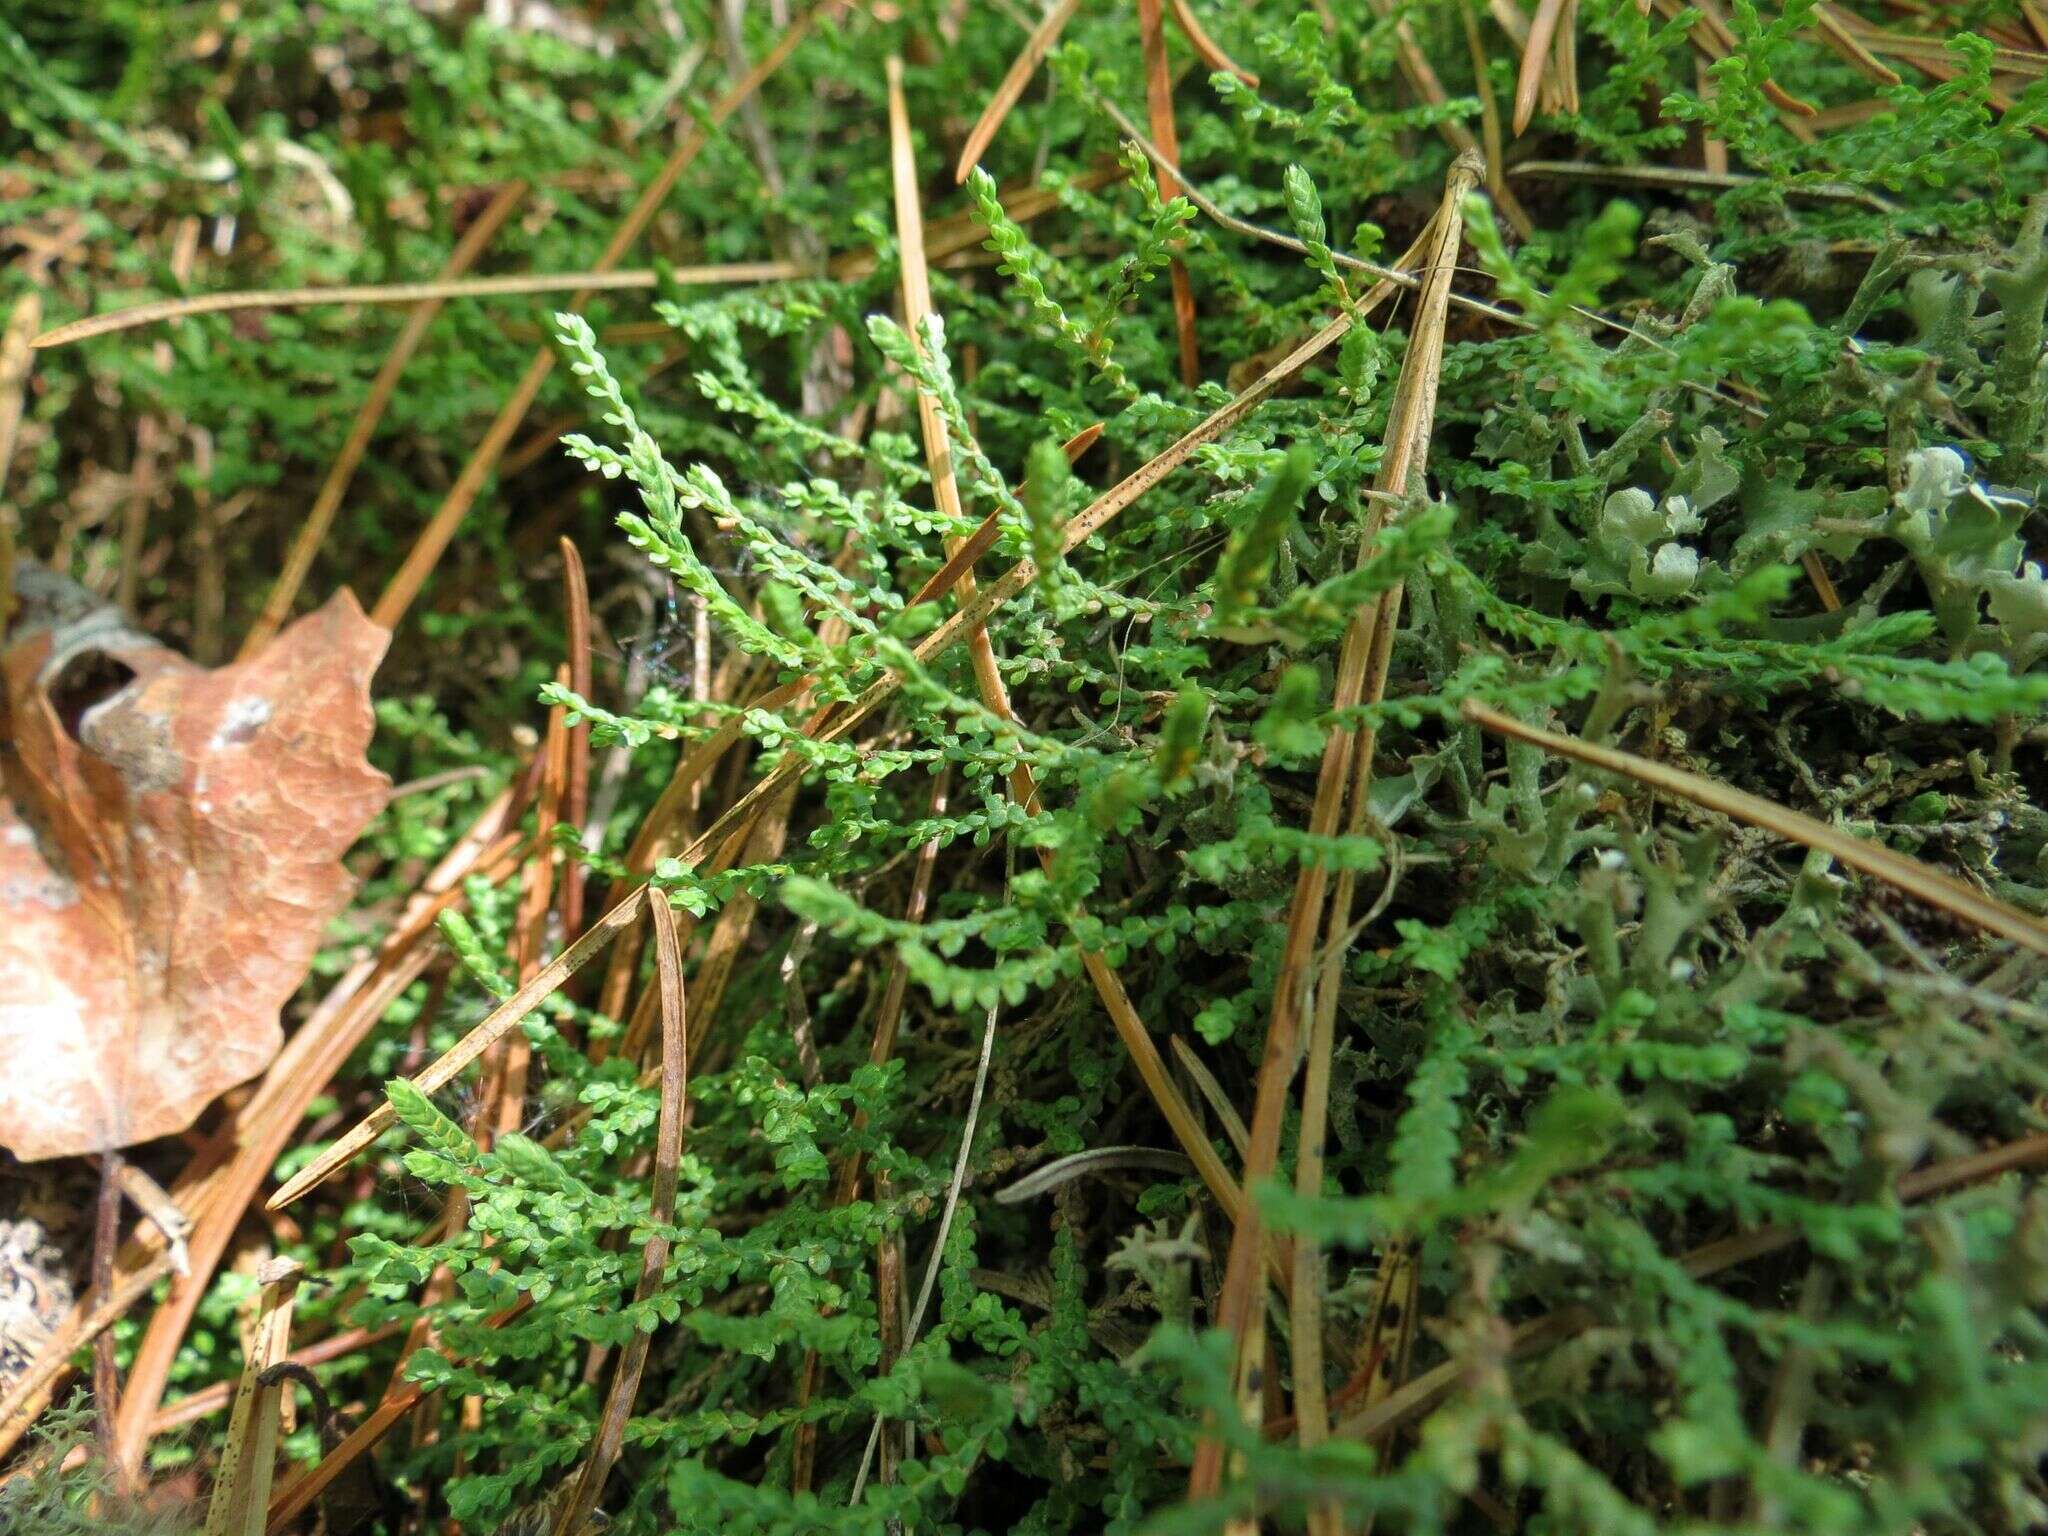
{"x": 1684, "y": 1141}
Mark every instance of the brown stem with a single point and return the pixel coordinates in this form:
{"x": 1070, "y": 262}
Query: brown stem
{"x": 106, "y": 1235}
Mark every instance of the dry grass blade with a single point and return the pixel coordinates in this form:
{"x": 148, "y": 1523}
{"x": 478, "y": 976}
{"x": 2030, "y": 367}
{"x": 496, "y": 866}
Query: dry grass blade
{"x": 1078, "y": 1165}
{"x": 1205, "y": 46}
{"x": 1159, "y": 108}
{"x": 1433, "y": 1386}
{"x": 1212, "y": 1094}
{"x": 1410, "y": 422}
{"x": 440, "y": 530}
{"x": 285, "y": 590}
{"x": 241, "y": 1486}
{"x": 1014, "y": 81}
{"x": 600, "y": 279}
{"x": 1690, "y": 178}
{"x": 1921, "y": 881}
{"x": 668, "y": 1157}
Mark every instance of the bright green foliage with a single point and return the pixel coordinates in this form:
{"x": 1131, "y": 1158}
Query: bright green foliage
{"x": 1583, "y": 1032}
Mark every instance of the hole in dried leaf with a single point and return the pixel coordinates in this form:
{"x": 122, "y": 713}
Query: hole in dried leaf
{"x": 89, "y": 678}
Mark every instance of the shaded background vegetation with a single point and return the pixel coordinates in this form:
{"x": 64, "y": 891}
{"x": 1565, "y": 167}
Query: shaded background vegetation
{"x": 1767, "y": 521}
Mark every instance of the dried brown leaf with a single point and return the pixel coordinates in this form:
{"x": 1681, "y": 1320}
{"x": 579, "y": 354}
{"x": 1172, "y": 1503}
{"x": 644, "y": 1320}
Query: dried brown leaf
{"x": 169, "y": 855}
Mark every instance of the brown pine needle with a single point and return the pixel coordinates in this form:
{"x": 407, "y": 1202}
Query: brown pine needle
{"x": 1360, "y": 672}
{"x": 472, "y": 1045}
{"x": 575, "y": 804}
{"x": 285, "y": 590}
{"x": 1836, "y": 32}
{"x": 668, "y": 1157}
{"x": 1013, "y": 85}
{"x": 437, "y": 291}
{"x": 1159, "y": 108}
{"x": 1535, "y": 59}
{"x": 995, "y": 696}
{"x": 1921, "y": 881}
{"x": 1205, "y": 46}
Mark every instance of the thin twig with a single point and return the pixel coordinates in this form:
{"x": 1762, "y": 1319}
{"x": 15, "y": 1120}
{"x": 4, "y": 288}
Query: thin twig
{"x": 106, "y": 1235}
